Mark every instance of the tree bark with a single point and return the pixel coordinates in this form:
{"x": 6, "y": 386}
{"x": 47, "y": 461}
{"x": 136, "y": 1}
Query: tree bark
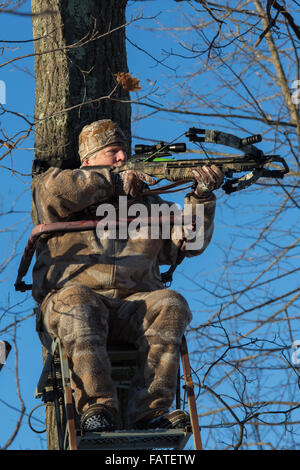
{"x": 75, "y": 63}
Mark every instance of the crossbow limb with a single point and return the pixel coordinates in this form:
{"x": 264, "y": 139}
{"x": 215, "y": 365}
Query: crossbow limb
{"x": 250, "y": 153}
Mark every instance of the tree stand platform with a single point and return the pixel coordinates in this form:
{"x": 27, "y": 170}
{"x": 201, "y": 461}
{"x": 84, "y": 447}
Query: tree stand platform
{"x": 55, "y": 386}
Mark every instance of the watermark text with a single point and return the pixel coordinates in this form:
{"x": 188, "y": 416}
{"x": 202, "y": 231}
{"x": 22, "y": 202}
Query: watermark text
{"x": 2, "y": 92}
{"x": 296, "y": 93}
{"x": 157, "y": 221}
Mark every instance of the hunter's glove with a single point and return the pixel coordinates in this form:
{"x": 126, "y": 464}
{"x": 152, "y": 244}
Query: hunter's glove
{"x": 134, "y": 182}
{"x": 208, "y": 178}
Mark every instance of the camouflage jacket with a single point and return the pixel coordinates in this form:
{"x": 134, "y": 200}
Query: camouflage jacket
{"x": 114, "y": 267}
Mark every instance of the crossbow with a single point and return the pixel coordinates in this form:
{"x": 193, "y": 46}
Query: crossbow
{"x": 155, "y": 160}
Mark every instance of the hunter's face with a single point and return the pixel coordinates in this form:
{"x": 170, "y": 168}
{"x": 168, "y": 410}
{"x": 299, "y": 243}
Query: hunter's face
{"x": 113, "y": 155}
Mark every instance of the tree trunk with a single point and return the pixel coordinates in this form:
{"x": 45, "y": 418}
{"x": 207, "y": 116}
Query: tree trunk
{"x": 75, "y": 62}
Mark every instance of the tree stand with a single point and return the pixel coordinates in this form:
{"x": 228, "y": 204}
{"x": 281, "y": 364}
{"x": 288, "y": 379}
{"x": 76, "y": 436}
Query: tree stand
{"x": 55, "y": 386}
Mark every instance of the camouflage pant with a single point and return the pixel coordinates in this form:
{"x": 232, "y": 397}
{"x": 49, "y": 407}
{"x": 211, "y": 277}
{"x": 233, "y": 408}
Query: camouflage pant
{"x": 153, "y": 321}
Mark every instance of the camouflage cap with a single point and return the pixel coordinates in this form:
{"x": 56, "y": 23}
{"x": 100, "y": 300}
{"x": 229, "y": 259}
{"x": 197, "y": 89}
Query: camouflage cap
{"x": 98, "y": 135}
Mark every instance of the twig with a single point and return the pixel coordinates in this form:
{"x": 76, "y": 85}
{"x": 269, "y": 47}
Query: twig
{"x": 22, "y": 411}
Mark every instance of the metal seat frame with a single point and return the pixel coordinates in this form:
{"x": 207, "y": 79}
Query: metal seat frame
{"x": 55, "y": 386}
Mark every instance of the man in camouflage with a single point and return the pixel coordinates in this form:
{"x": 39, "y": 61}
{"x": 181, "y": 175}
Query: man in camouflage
{"x": 93, "y": 290}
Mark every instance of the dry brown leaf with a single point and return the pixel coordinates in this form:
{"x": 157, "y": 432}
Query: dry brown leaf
{"x": 127, "y": 82}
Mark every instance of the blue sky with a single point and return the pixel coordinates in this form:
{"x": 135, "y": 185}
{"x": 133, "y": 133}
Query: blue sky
{"x": 16, "y": 193}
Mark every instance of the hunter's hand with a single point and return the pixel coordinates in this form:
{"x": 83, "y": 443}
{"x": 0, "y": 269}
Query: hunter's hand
{"x": 208, "y": 178}
{"x": 134, "y": 182}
